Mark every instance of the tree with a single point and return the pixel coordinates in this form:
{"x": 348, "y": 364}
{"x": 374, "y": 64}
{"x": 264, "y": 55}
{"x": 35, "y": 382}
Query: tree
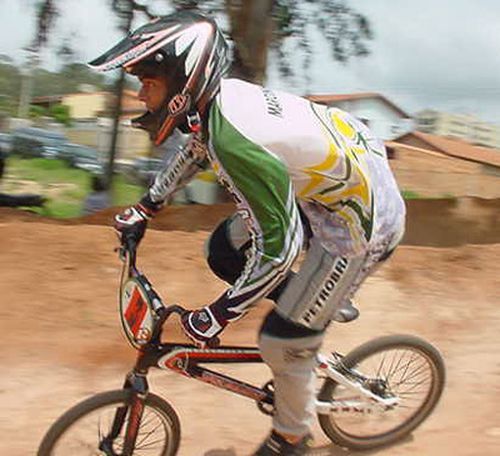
{"x": 255, "y": 27}
{"x": 10, "y": 85}
{"x": 259, "y": 26}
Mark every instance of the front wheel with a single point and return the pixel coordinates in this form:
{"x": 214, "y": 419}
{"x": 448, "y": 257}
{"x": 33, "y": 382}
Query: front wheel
{"x": 404, "y": 368}
{"x": 85, "y": 429}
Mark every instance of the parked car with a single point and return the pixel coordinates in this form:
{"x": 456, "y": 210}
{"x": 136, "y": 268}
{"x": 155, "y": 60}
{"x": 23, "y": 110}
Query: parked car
{"x": 32, "y": 142}
{"x": 5, "y": 144}
{"x": 82, "y": 157}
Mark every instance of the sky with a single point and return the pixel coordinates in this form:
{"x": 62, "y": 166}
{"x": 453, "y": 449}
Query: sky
{"x": 426, "y": 54}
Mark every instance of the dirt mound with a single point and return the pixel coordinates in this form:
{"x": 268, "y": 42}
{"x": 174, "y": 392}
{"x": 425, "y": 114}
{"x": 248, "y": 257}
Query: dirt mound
{"x": 188, "y": 218}
{"x": 434, "y": 223}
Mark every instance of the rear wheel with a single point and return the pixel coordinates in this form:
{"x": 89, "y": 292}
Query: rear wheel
{"x": 83, "y": 429}
{"x": 402, "y": 367}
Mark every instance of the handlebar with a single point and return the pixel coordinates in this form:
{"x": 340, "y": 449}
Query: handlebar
{"x": 128, "y": 254}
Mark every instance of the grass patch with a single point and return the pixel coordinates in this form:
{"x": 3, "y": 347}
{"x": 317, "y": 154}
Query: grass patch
{"x": 408, "y": 195}
{"x": 45, "y": 171}
{"x": 64, "y": 187}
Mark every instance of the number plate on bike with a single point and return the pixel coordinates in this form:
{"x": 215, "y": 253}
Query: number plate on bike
{"x": 136, "y": 313}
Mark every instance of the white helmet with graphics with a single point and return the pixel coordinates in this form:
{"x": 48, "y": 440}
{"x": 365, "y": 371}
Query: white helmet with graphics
{"x": 185, "y": 47}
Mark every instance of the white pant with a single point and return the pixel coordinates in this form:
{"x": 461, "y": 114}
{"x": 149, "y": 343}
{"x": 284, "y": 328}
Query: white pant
{"x": 323, "y": 284}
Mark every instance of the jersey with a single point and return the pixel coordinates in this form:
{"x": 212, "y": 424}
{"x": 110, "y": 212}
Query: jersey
{"x": 274, "y": 151}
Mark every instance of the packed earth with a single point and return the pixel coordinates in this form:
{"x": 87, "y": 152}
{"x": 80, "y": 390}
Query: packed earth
{"x": 62, "y": 341}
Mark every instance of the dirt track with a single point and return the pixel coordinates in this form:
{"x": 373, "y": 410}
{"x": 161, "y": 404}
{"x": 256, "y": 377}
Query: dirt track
{"x": 62, "y": 342}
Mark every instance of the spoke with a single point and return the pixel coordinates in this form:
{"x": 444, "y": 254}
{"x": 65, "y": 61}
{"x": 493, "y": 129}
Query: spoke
{"x": 148, "y": 434}
{"x": 381, "y": 366}
{"x": 99, "y": 429}
{"x": 154, "y": 442}
{"x": 386, "y": 376}
{"x": 416, "y": 385}
{"x": 417, "y": 374}
{"x": 396, "y": 367}
{"x": 405, "y": 367}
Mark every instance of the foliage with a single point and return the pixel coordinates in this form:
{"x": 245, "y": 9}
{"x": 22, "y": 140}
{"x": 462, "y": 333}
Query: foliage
{"x": 345, "y": 30}
{"x": 46, "y": 15}
{"x": 68, "y": 79}
{"x": 61, "y": 113}
{"x": 409, "y": 194}
{"x": 36, "y": 112}
{"x": 10, "y": 86}
{"x": 258, "y": 26}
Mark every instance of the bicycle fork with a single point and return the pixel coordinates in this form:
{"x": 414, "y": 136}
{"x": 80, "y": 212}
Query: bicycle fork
{"x": 365, "y": 400}
{"x": 137, "y": 384}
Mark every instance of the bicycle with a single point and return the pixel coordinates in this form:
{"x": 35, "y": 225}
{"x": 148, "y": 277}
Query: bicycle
{"x": 356, "y": 390}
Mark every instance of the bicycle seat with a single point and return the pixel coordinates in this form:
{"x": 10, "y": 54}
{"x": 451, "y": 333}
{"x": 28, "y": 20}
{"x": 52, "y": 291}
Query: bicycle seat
{"x": 346, "y": 313}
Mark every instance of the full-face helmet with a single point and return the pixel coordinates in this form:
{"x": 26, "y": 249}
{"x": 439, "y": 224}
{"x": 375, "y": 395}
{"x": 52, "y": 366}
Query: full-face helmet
{"x": 186, "y": 48}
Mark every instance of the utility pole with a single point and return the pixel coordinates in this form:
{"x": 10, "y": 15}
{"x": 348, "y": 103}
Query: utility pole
{"x": 27, "y": 82}
{"x": 127, "y": 14}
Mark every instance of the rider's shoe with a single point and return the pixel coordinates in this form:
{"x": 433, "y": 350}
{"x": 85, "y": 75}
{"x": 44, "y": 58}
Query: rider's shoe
{"x": 201, "y": 326}
{"x": 346, "y": 312}
{"x": 276, "y": 445}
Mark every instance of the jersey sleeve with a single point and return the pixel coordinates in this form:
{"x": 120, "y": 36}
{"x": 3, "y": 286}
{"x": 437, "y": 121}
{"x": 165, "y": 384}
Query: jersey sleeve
{"x": 179, "y": 168}
{"x": 262, "y": 190}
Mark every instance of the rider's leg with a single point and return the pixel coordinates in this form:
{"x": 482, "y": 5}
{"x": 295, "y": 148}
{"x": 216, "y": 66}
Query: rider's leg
{"x": 292, "y": 334}
{"x": 290, "y": 351}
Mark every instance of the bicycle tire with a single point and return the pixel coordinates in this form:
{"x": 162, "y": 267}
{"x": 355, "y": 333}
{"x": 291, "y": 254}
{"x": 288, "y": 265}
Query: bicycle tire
{"x": 363, "y": 352}
{"x": 106, "y": 399}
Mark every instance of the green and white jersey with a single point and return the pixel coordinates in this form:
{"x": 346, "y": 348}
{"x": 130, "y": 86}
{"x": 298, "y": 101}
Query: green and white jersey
{"x": 271, "y": 150}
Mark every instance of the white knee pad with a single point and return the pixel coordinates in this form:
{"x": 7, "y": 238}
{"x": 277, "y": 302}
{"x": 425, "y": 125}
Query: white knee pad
{"x": 323, "y": 285}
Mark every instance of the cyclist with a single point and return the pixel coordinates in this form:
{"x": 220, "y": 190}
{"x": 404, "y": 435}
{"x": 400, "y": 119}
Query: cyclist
{"x": 302, "y": 176}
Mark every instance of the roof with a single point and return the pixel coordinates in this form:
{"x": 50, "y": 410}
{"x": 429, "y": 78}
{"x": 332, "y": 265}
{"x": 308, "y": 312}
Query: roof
{"x": 47, "y": 99}
{"x": 332, "y": 99}
{"x": 456, "y": 148}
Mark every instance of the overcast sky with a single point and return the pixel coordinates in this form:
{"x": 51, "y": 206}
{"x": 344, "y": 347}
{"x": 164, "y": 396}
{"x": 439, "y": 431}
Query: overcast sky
{"x": 439, "y": 54}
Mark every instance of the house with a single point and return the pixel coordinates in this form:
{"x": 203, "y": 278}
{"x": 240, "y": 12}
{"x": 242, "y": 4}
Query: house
{"x": 91, "y": 113}
{"x": 88, "y": 105}
{"x": 434, "y": 166}
{"x": 384, "y": 118}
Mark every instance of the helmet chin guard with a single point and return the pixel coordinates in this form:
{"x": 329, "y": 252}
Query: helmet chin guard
{"x": 186, "y": 48}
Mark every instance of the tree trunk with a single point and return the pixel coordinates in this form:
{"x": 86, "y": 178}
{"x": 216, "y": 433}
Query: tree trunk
{"x": 117, "y": 112}
{"x": 251, "y": 31}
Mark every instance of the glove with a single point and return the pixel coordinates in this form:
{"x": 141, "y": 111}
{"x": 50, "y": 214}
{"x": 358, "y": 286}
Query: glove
{"x": 202, "y": 327}
{"x": 132, "y": 223}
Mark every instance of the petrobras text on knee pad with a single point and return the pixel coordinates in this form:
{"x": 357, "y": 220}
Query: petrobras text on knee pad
{"x": 326, "y": 290}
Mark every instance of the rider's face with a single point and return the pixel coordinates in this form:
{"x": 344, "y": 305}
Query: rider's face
{"x": 153, "y": 92}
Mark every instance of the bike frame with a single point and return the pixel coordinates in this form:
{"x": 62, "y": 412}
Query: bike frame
{"x": 189, "y": 361}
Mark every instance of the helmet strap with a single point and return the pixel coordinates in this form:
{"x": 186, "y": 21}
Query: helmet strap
{"x": 194, "y": 121}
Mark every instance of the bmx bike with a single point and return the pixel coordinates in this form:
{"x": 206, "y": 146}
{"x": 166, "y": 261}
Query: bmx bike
{"x": 371, "y": 397}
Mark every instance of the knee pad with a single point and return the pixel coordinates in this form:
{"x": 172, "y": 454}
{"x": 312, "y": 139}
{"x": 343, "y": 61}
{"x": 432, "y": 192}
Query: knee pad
{"x": 224, "y": 260}
{"x": 275, "y": 325}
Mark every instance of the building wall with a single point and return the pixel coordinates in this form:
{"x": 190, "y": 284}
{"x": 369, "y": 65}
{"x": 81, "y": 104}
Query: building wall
{"x": 468, "y": 128}
{"x": 132, "y": 142}
{"x": 433, "y": 174}
{"x": 85, "y": 105}
{"x": 382, "y": 120}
